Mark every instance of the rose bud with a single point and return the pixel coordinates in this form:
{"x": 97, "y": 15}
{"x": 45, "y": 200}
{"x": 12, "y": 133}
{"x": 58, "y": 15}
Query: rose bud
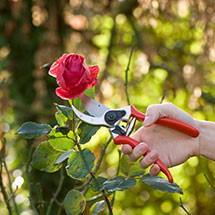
{"x": 73, "y": 75}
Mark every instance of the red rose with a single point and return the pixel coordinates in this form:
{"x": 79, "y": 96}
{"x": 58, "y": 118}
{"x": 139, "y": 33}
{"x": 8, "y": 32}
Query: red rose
{"x": 73, "y": 75}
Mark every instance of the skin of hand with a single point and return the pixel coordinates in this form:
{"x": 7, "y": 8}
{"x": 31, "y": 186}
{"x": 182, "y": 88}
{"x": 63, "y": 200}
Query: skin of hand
{"x": 171, "y": 146}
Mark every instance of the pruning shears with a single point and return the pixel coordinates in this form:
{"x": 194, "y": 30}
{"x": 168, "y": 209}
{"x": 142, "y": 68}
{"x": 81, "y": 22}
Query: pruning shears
{"x": 104, "y": 116}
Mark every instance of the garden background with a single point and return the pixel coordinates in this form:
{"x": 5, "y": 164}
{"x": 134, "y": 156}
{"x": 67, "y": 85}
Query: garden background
{"x": 173, "y": 60}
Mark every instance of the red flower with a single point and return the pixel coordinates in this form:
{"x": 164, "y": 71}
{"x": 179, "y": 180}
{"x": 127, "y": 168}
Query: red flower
{"x": 73, "y": 75}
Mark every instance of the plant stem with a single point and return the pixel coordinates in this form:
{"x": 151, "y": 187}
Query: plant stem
{"x": 5, "y": 196}
{"x": 48, "y": 212}
{"x": 164, "y": 91}
{"x": 101, "y": 156}
{"x": 127, "y": 69}
{"x": 107, "y": 202}
{"x": 182, "y": 206}
{"x": 93, "y": 177}
{"x": 86, "y": 165}
{"x": 96, "y": 198}
{"x": 10, "y": 188}
{"x": 28, "y": 180}
{"x": 98, "y": 164}
{"x": 209, "y": 182}
{"x": 117, "y": 173}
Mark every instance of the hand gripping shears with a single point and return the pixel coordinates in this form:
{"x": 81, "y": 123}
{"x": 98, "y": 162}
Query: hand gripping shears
{"x": 104, "y": 116}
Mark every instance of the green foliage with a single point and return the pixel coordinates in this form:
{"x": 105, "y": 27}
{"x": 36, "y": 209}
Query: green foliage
{"x": 66, "y": 111}
{"x": 61, "y": 118}
{"x": 86, "y": 132}
{"x": 60, "y": 138}
{"x": 97, "y": 208}
{"x": 80, "y": 164}
{"x": 118, "y": 183}
{"x": 74, "y": 202}
{"x": 32, "y": 129}
{"x": 44, "y": 158}
{"x": 160, "y": 183}
{"x": 63, "y": 156}
{"x": 97, "y": 184}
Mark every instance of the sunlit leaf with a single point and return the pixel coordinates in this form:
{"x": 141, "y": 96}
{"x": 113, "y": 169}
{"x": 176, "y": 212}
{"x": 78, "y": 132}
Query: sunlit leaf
{"x": 160, "y": 183}
{"x": 74, "y": 202}
{"x": 66, "y": 111}
{"x": 86, "y": 132}
{"x": 62, "y": 139}
{"x": 97, "y": 208}
{"x": 61, "y": 118}
{"x": 80, "y": 164}
{"x": 32, "y": 129}
{"x": 44, "y": 158}
{"x": 119, "y": 183}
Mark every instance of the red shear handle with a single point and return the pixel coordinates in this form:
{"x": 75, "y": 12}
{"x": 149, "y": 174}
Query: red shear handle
{"x": 133, "y": 143}
{"x": 168, "y": 122}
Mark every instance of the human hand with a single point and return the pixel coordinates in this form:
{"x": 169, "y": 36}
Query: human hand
{"x": 170, "y": 146}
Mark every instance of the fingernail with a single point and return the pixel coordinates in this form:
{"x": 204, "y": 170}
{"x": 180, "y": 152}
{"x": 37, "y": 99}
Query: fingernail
{"x": 147, "y": 121}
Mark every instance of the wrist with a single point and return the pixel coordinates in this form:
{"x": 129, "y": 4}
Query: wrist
{"x": 206, "y": 139}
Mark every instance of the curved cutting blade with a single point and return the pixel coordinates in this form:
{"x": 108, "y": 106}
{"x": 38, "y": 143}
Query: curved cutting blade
{"x": 93, "y": 107}
{"x": 90, "y": 119}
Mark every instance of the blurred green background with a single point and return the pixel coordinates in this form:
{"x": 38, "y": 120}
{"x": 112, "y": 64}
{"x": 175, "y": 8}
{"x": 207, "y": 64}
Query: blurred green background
{"x": 173, "y": 60}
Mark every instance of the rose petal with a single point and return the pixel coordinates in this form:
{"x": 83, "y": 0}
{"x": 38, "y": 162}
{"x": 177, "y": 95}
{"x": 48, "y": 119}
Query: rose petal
{"x": 74, "y": 62}
{"x": 72, "y": 93}
{"x": 53, "y": 71}
{"x": 93, "y": 79}
{"x": 60, "y": 77}
{"x": 86, "y": 75}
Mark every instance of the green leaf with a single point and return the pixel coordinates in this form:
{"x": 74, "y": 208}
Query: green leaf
{"x": 130, "y": 169}
{"x": 66, "y": 111}
{"x": 97, "y": 184}
{"x": 63, "y": 130}
{"x": 74, "y": 202}
{"x": 77, "y": 167}
{"x": 97, "y": 208}
{"x": 44, "y": 158}
{"x": 119, "y": 183}
{"x": 63, "y": 156}
{"x": 86, "y": 132}
{"x": 32, "y": 129}
{"x": 61, "y": 118}
{"x": 160, "y": 183}
{"x": 62, "y": 139}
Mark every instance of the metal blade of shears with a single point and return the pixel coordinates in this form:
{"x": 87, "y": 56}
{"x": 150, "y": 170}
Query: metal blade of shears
{"x": 90, "y": 119}
{"x": 93, "y": 107}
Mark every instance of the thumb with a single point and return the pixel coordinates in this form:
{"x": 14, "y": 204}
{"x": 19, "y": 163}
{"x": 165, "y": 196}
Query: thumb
{"x": 154, "y": 112}
{"x": 152, "y": 115}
